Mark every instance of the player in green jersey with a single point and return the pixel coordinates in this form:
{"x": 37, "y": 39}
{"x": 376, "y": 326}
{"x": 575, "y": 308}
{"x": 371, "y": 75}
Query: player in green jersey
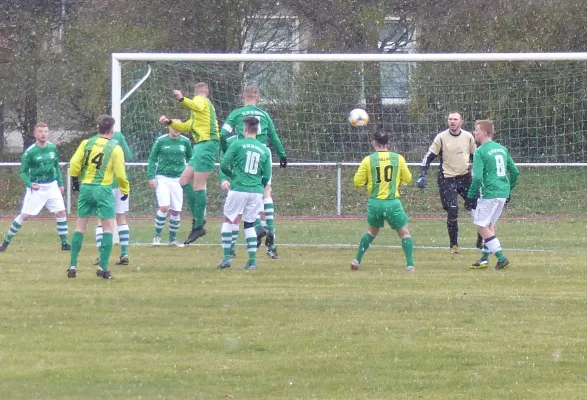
{"x": 40, "y": 172}
{"x": 122, "y": 206}
{"x": 96, "y": 163}
{"x": 168, "y": 158}
{"x": 225, "y": 187}
{"x": 382, "y": 172}
{"x": 247, "y": 164}
{"x": 234, "y": 125}
{"x": 491, "y": 165}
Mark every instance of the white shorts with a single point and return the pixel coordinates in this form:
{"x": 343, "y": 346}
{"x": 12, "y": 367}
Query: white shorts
{"x": 169, "y": 192}
{"x": 48, "y": 196}
{"x": 247, "y": 204}
{"x": 121, "y": 205}
{"x": 488, "y": 211}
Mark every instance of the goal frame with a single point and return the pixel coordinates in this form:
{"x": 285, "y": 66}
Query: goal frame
{"x": 116, "y": 77}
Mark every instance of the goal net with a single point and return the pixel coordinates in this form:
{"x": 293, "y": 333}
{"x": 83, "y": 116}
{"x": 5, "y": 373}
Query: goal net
{"x": 539, "y": 108}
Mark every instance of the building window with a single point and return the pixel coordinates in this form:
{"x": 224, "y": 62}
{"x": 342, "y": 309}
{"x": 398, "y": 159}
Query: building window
{"x": 276, "y": 34}
{"x": 397, "y": 37}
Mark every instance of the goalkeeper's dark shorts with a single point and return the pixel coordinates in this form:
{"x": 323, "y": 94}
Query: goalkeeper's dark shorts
{"x": 451, "y": 188}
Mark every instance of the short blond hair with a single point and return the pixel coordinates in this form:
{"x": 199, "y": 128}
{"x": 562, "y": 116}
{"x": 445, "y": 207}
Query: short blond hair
{"x": 250, "y": 91}
{"x": 486, "y": 125}
{"x": 200, "y": 86}
{"x": 41, "y": 125}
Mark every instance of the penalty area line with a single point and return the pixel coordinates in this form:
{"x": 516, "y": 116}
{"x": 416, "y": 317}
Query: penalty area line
{"x": 350, "y": 245}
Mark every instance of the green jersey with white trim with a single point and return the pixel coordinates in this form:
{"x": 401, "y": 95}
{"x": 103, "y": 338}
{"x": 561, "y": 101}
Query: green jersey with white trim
{"x": 40, "y": 165}
{"x": 169, "y": 156}
{"x": 247, "y": 164}
{"x": 491, "y": 164}
{"x": 234, "y": 124}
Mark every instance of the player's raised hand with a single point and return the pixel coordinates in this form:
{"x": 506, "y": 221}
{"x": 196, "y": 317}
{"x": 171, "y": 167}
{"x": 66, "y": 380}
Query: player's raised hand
{"x": 225, "y": 186}
{"x": 283, "y": 162}
{"x": 164, "y": 120}
{"x": 153, "y": 184}
{"x": 177, "y": 94}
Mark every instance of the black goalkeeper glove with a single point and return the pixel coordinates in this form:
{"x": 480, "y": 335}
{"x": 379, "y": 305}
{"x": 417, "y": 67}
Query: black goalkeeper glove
{"x": 75, "y": 183}
{"x": 124, "y": 197}
{"x": 421, "y": 183}
{"x": 283, "y": 162}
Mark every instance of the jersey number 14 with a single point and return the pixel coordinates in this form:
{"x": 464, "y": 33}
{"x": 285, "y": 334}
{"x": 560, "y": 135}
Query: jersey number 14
{"x": 97, "y": 160}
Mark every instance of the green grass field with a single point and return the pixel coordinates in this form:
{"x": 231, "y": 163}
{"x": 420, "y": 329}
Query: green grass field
{"x": 172, "y": 326}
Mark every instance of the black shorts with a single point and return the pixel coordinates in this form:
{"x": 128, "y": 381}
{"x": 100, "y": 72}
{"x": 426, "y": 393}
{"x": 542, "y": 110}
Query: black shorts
{"x": 451, "y": 188}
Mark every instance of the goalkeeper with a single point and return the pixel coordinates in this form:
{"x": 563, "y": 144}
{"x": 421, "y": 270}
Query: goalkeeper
{"x": 203, "y": 126}
{"x": 234, "y": 125}
{"x": 455, "y": 147}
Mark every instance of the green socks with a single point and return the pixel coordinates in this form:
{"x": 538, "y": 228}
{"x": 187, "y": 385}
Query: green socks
{"x": 76, "y": 245}
{"x": 408, "y": 248}
{"x": 200, "y": 207}
{"x": 269, "y": 210}
{"x": 105, "y": 250}
{"x": 366, "y": 241}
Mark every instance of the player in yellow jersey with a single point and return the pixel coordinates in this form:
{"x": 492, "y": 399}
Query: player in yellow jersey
{"x": 382, "y": 172}
{"x": 95, "y": 163}
{"x": 203, "y": 126}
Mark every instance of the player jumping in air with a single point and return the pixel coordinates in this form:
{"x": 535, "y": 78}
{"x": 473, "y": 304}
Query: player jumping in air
{"x": 167, "y": 160}
{"x": 39, "y": 170}
{"x": 247, "y": 163}
{"x": 382, "y": 172}
{"x": 455, "y": 147}
{"x": 95, "y": 163}
{"x": 234, "y": 125}
{"x": 491, "y": 165}
{"x": 203, "y": 127}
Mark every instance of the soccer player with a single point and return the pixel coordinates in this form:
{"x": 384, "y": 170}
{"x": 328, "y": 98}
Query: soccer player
{"x": 95, "y": 163}
{"x": 121, "y": 207}
{"x": 382, "y": 172}
{"x": 167, "y": 160}
{"x": 39, "y": 170}
{"x": 225, "y": 187}
{"x": 247, "y": 163}
{"x": 203, "y": 126}
{"x": 491, "y": 165}
{"x": 234, "y": 125}
{"x": 456, "y": 147}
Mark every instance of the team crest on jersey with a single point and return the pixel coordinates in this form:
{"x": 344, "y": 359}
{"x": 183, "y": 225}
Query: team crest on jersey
{"x": 52, "y": 155}
{"x": 181, "y": 147}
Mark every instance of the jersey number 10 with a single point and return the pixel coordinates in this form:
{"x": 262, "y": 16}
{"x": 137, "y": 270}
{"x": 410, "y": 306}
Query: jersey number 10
{"x": 387, "y": 173}
{"x": 252, "y": 163}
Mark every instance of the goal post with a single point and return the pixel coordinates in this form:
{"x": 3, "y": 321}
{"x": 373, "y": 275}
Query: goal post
{"x": 538, "y": 101}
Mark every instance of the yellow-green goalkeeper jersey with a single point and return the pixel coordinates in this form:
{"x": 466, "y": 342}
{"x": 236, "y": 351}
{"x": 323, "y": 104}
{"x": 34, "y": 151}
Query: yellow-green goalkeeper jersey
{"x": 234, "y": 125}
{"x": 491, "y": 164}
{"x": 169, "y": 156}
{"x": 97, "y": 160}
{"x": 202, "y": 124}
{"x": 382, "y": 172}
{"x": 40, "y": 165}
{"x": 247, "y": 164}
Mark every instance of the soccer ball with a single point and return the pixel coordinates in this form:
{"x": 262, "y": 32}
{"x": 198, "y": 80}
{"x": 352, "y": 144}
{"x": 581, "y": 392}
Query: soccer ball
{"x": 358, "y": 117}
